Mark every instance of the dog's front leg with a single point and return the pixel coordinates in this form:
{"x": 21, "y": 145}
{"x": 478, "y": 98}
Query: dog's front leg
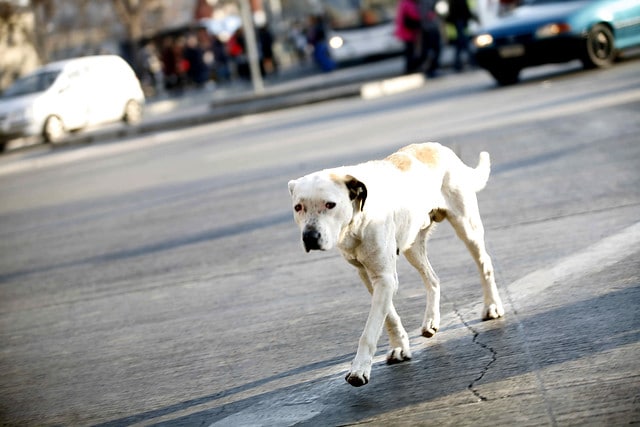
{"x": 398, "y": 337}
{"x": 384, "y": 286}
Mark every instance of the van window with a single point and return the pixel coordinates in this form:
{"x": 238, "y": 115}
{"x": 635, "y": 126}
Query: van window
{"x": 33, "y": 83}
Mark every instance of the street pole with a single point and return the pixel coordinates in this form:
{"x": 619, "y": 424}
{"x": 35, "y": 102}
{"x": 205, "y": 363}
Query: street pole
{"x": 252, "y": 46}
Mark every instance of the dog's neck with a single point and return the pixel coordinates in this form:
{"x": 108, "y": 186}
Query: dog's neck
{"x": 348, "y": 240}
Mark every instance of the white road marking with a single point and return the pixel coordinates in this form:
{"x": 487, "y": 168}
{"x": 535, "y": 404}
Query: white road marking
{"x": 539, "y": 113}
{"x": 594, "y": 258}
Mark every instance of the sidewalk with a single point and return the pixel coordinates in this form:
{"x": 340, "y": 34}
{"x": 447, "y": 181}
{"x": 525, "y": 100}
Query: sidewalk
{"x": 291, "y": 89}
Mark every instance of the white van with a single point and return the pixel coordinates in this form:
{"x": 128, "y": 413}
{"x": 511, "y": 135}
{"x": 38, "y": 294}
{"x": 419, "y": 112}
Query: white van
{"x": 68, "y": 95}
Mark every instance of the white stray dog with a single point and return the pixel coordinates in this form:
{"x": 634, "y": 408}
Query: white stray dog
{"x": 376, "y": 210}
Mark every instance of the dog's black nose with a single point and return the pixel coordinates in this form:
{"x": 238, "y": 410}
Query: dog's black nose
{"x": 311, "y": 239}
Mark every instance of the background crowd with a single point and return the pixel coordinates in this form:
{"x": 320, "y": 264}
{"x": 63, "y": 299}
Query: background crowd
{"x": 193, "y": 59}
{"x": 177, "y": 62}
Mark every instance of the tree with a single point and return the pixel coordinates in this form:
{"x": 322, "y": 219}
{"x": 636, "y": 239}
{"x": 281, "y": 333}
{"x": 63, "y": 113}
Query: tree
{"x": 21, "y": 52}
{"x": 131, "y": 13}
{"x": 43, "y": 11}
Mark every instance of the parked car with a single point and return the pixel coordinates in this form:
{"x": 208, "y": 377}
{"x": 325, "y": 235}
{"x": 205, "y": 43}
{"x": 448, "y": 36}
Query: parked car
{"x": 68, "y": 95}
{"x": 553, "y": 31}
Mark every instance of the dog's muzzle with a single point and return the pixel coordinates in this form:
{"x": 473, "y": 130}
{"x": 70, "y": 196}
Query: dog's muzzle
{"x": 311, "y": 239}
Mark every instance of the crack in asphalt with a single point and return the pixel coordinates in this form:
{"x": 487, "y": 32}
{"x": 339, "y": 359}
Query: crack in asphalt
{"x": 532, "y": 362}
{"x": 535, "y": 367}
{"x": 484, "y": 346}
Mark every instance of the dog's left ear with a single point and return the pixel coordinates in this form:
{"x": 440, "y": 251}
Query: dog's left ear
{"x": 357, "y": 191}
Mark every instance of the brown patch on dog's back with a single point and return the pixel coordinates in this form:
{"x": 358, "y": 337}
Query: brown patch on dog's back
{"x": 400, "y": 160}
{"x": 336, "y": 178}
{"x": 425, "y": 153}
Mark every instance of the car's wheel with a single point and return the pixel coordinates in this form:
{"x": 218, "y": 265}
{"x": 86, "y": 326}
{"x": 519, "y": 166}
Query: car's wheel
{"x": 505, "y": 75}
{"x": 132, "y": 112}
{"x": 53, "y": 130}
{"x": 600, "y": 50}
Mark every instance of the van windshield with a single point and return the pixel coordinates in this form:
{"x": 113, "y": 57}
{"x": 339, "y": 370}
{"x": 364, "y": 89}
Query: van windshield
{"x": 33, "y": 83}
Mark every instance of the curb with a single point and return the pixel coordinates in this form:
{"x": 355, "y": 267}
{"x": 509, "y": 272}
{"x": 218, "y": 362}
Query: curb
{"x": 392, "y": 86}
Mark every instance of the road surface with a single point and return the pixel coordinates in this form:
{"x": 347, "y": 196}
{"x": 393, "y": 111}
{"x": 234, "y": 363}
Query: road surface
{"x": 161, "y": 279}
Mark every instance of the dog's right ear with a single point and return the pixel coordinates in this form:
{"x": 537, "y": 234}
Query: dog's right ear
{"x": 357, "y": 191}
{"x": 292, "y": 185}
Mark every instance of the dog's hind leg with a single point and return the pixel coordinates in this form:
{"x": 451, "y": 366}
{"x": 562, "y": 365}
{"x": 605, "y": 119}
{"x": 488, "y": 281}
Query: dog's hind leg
{"x": 465, "y": 219}
{"x": 398, "y": 337}
{"x": 417, "y": 257}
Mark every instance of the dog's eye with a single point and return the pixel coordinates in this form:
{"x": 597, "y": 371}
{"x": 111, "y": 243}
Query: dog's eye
{"x": 330, "y": 205}
{"x": 298, "y": 207}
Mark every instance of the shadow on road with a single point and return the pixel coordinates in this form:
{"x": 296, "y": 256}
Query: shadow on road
{"x": 560, "y": 335}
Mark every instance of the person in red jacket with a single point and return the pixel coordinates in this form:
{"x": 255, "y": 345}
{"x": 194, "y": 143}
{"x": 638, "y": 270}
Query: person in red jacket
{"x": 408, "y": 30}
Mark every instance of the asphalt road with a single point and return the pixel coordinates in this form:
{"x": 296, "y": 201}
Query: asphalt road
{"x": 160, "y": 279}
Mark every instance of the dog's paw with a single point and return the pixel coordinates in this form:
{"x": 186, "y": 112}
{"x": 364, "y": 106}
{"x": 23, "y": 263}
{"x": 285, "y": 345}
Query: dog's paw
{"x": 428, "y": 332}
{"x": 493, "y": 311}
{"x": 429, "y": 329}
{"x": 357, "y": 378}
{"x": 398, "y": 355}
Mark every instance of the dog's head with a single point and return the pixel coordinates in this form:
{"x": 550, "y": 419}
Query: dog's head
{"x": 323, "y": 204}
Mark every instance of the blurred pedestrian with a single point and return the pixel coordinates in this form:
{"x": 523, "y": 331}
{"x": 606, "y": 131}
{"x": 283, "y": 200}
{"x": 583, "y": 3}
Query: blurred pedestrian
{"x": 197, "y": 70}
{"x": 268, "y": 63}
{"x": 408, "y": 30}
{"x": 298, "y": 42}
{"x": 173, "y": 64}
{"x": 460, "y": 15}
{"x": 237, "y": 51}
{"x": 317, "y": 38}
{"x": 151, "y": 75}
{"x": 430, "y": 37}
{"x": 220, "y": 60}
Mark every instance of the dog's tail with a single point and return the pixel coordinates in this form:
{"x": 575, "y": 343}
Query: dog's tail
{"x": 480, "y": 175}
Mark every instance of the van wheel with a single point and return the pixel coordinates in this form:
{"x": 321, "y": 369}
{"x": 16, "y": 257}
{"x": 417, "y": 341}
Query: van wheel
{"x": 132, "y": 112}
{"x": 53, "y": 130}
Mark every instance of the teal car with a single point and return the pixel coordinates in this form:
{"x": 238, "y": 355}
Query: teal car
{"x": 553, "y": 31}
